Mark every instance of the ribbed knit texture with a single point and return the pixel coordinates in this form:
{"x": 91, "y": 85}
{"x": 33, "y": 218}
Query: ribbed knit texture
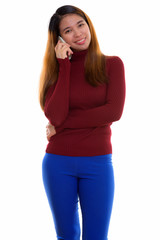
{"x": 82, "y": 114}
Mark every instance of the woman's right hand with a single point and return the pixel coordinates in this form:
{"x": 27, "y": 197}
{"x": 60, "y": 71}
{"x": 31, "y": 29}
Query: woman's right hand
{"x": 50, "y": 131}
{"x": 63, "y": 50}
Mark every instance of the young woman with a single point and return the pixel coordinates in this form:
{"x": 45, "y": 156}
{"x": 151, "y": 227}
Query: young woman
{"x": 81, "y": 92}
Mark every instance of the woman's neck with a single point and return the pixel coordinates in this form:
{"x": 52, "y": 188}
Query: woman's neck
{"x": 79, "y": 55}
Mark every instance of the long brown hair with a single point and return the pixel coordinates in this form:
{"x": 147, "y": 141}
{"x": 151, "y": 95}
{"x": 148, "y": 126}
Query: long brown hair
{"x": 95, "y": 63}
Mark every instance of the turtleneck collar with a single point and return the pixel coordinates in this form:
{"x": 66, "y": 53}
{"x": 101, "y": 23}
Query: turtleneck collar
{"x": 79, "y": 55}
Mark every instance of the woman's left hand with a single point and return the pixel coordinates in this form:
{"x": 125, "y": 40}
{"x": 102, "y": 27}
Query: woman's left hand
{"x": 50, "y": 131}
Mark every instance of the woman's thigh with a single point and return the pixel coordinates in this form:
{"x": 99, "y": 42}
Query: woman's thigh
{"x": 96, "y": 193}
{"x": 61, "y": 189}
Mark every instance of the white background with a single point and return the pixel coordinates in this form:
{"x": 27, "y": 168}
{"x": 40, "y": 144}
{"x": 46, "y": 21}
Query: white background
{"x": 128, "y": 29}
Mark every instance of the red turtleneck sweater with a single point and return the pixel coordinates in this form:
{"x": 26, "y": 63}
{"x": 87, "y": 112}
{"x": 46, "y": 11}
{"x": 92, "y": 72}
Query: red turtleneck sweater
{"x": 82, "y": 114}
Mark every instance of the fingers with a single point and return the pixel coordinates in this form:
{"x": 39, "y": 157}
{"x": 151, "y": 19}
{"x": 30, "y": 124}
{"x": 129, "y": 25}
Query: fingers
{"x": 61, "y": 45}
{"x": 50, "y": 131}
{"x": 63, "y": 50}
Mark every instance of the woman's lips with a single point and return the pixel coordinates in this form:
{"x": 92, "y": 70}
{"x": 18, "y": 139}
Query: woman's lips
{"x": 81, "y": 41}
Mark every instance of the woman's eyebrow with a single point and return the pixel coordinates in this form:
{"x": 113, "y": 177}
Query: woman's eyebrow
{"x": 76, "y": 24}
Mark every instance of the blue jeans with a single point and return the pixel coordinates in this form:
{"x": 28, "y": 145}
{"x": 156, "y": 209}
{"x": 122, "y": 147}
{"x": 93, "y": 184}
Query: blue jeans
{"x": 89, "y": 180}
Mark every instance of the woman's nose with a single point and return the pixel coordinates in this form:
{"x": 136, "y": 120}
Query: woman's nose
{"x": 77, "y": 33}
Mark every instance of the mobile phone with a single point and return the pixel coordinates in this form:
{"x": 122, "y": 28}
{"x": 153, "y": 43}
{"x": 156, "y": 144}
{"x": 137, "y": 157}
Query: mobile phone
{"x": 62, "y": 40}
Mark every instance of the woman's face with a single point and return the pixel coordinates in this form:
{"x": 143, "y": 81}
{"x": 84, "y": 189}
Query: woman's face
{"x": 75, "y": 31}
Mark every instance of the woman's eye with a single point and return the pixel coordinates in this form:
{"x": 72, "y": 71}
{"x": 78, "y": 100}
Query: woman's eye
{"x": 80, "y": 25}
{"x": 68, "y": 31}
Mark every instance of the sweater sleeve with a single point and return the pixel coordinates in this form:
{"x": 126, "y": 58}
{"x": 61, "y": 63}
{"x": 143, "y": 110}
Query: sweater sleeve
{"x": 57, "y": 98}
{"x": 109, "y": 112}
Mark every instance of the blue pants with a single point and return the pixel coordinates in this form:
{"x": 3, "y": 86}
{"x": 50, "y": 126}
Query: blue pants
{"x": 89, "y": 180}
